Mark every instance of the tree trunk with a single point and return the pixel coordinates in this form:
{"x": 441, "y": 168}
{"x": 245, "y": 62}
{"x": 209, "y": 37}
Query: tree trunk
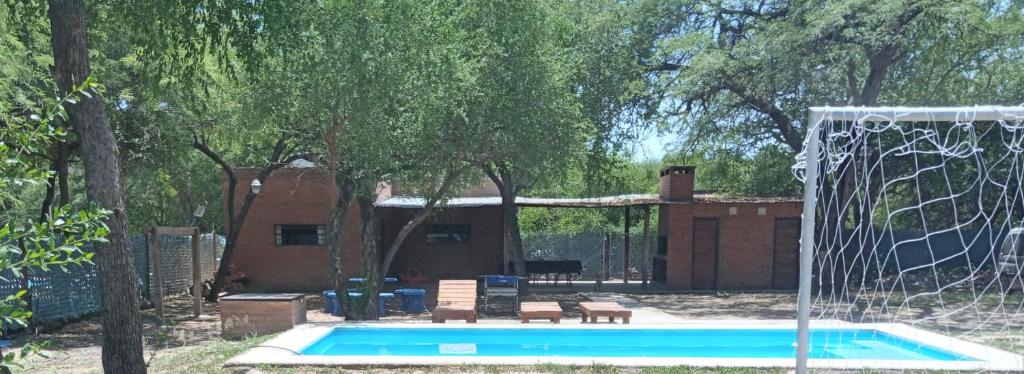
{"x": 371, "y": 258}
{"x": 58, "y": 181}
{"x": 512, "y": 240}
{"x": 122, "y": 324}
{"x": 60, "y": 163}
{"x": 51, "y": 186}
{"x": 345, "y": 187}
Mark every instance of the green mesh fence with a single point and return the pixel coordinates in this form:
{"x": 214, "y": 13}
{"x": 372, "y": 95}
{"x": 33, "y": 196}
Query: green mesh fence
{"x": 57, "y": 295}
{"x": 588, "y": 248}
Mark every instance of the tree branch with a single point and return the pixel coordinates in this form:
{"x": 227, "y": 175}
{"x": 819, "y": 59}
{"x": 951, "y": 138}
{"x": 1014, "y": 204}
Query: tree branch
{"x": 782, "y": 120}
{"x": 449, "y": 179}
{"x": 489, "y": 171}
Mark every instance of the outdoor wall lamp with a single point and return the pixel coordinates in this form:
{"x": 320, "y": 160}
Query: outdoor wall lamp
{"x": 256, "y": 186}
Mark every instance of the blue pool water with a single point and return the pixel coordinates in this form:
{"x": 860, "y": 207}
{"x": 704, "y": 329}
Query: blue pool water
{"x": 746, "y": 343}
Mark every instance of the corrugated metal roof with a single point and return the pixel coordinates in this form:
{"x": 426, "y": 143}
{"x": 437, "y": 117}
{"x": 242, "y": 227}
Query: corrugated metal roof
{"x": 590, "y": 202}
{"x": 419, "y": 202}
{"x": 713, "y": 198}
{"x": 412, "y": 202}
{"x": 469, "y": 202}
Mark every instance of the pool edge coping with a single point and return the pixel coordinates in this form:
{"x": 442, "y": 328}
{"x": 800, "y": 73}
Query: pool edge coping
{"x": 283, "y": 350}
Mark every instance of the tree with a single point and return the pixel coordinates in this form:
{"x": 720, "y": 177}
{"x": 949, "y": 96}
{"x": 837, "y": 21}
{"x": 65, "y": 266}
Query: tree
{"x": 607, "y": 51}
{"x": 235, "y": 220}
{"x": 394, "y": 113}
{"x": 122, "y": 324}
{"x": 27, "y": 129}
{"x": 521, "y": 110}
{"x": 753, "y": 69}
{"x": 740, "y": 76}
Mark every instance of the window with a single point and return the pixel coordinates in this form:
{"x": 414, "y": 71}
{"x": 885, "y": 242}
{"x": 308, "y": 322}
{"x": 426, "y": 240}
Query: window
{"x": 299, "y": 234}
{"x": 447, "y": 233}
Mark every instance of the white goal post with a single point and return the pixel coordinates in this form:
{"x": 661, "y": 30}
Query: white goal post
{"x": 809, "y": 162}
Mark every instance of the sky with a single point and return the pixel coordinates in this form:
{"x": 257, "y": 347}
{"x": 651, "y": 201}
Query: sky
{"x": 652, "y": 146}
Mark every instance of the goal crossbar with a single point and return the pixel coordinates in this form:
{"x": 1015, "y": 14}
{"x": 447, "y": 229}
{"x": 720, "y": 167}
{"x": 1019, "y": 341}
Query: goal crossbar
{"x": 900, "y": 113}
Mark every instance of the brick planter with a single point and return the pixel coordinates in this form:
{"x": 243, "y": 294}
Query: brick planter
{"x": 252, "y": 314}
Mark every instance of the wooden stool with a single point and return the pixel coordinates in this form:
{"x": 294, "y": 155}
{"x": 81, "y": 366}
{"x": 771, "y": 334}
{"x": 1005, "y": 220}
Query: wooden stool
{"x": 540, "y": 310}
{"x": 600, "y": 309}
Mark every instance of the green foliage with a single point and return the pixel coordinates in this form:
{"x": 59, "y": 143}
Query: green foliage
{"x": 766, "y": 173}
{"x": 57, "y": 241}
{"x": 627, "y": 178}
{"x": 737, "y": 78}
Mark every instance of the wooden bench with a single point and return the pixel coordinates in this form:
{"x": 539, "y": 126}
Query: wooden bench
{"x": 540, "y": 310}
{"x": 456, "y": 299}
{"x": 604, "y": 309}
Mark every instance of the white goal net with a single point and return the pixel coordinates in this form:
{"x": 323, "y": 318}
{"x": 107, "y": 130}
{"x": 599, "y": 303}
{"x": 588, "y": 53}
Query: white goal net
{"x": 914, "y": 216}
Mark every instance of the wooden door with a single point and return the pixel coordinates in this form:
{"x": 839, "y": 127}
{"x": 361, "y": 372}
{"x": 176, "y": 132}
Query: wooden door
{"x": 704, "y": 275}
{"x": 786, "y": 256}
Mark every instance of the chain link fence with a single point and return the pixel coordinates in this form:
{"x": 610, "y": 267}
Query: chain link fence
{"x": 57, "y": 295}
{"x": 176, "y": 262}
{"x": 588, "y": 248}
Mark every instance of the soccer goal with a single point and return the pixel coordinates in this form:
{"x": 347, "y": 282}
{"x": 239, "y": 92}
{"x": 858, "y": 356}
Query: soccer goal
{"x": 913, "y": 217}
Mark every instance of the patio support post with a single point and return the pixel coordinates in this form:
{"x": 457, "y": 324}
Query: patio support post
{"x": 807, "y": 241}
{"x": 625, "y": 247}
{"x": 213, "y": 252}
{"x": 197, "y": 276}
{"x": 156, "y": 295}
{"x": 645, "y": 242}
{"x": 607, "y": 257}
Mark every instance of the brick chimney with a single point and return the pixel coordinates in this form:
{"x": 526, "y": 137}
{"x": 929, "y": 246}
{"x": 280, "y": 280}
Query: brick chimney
{"x": 677, "y": 183}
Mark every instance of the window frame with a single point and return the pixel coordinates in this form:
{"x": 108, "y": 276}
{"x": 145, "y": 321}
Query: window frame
{"x": 279, "y": 231}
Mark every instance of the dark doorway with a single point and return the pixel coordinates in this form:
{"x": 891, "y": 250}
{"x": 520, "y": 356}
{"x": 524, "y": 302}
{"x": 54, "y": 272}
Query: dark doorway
{"x": 705, "y": 254}
{"x": 786, "y": 257}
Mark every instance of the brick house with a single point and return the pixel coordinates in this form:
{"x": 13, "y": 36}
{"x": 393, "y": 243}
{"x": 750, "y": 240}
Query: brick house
{"x": 704, "y": 242}
{"x": 708, "y": 243}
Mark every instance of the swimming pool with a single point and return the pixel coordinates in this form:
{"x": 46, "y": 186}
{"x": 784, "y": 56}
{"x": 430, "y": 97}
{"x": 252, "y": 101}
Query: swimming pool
{"x": 702, "y": 343}
{"x": 583, "y": 342}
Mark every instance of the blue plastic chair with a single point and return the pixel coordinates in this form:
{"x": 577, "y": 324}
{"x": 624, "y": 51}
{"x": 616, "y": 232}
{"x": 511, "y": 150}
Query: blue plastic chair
{"x": 332, "y": 303}
{"x": 381, "y": 298}
{"x": 412, "y": 299}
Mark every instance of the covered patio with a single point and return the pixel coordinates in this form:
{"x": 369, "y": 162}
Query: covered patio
{"x": 558, "y": 269}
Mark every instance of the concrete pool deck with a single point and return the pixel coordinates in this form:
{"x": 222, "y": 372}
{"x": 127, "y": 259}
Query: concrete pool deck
{"x": 284, "y": 349}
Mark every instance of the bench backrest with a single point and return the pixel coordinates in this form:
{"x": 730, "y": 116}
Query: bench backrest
{"x": 456, "y": 292}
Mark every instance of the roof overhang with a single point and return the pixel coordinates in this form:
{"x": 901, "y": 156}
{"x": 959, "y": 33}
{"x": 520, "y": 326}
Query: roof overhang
{"x": 414, "y": 202}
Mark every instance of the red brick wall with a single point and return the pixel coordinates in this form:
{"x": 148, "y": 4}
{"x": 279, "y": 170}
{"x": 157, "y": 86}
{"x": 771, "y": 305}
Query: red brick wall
{"x": 291, "y": 196}
{"x": 745, "y": 241}
{"x": 481, "y": 255}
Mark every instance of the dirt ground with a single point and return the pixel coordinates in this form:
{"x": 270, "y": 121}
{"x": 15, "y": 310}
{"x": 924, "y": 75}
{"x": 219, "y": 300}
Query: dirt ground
{"x": 724, "y": 305}
{"x": 75, "y": 347}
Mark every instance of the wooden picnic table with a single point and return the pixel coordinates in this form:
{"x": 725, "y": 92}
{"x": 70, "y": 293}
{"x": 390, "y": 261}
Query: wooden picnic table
{"x": 540, "y": 310}
{"x": 604, "y": 309}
